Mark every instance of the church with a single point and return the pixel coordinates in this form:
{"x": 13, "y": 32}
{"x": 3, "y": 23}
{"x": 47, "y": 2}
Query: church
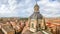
{"x": 36, "y": 23}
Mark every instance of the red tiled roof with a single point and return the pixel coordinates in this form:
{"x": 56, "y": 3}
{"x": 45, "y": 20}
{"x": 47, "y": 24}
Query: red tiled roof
{"x": 1, "y": 32}
{"x": 27, "y": 32}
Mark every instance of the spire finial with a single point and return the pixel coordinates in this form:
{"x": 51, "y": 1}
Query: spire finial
{"x": 36, "y": 7}
{"x": 36, "y": 1}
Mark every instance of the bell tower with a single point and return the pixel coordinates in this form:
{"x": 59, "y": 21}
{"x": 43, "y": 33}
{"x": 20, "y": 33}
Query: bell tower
{"x": 36, "y": 20}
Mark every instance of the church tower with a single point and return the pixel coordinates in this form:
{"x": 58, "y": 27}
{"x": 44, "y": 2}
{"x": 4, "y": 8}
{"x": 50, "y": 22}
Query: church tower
{"x": 36, "y": 20}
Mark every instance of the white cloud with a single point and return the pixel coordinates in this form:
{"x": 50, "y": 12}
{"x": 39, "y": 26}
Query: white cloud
{"x": 25, "y": 8}
{"x": 8, "y": 10}
{"x": 50, "y": 8}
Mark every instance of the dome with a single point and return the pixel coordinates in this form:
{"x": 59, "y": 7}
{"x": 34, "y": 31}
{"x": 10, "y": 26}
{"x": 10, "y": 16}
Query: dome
{"x": 36, "y": 15}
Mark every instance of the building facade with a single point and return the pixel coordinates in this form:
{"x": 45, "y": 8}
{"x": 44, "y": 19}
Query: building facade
{"x": 36, "y": 20}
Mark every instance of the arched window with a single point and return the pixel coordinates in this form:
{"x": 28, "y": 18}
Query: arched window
{"x": 39, "y": 25}
{"x": 32, "y": 25}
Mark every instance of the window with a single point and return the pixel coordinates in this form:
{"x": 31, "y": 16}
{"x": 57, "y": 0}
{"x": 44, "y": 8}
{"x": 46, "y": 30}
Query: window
{"x": 39, "y": 25}
{"x": 32, "y": 25}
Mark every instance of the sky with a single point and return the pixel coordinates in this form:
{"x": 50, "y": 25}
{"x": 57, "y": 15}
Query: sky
{"x": 24, "y": 8}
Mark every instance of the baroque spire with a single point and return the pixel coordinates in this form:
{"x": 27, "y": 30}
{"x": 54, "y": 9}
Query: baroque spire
{"x": 36, "y": 7}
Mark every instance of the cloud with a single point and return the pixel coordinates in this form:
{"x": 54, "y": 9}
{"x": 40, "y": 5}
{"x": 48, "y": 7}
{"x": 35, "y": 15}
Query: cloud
{"x": 7, "y": 10}
{"x": 24, "y": 8}
{"x": 50, "y": 9}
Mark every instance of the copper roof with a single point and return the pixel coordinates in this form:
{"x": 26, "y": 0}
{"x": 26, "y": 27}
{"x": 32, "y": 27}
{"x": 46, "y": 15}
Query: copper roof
{"x": 36, "y": 15}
